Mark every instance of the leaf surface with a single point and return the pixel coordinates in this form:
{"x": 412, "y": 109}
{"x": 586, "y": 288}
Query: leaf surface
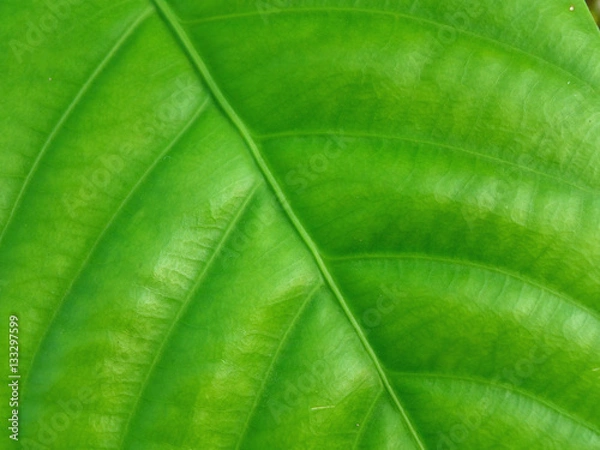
{"x": 314, "y": 224}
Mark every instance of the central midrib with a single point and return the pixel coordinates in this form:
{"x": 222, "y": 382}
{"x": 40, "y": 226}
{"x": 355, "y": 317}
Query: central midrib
{"x": 181, "y": 35}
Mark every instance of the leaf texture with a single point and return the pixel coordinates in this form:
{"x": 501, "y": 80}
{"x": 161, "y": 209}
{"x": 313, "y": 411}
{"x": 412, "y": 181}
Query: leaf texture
{"x": 316, "y": 224}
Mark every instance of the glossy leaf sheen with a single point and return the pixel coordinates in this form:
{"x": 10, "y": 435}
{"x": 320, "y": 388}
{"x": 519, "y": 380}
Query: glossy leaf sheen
{"x": 316, "y": 224}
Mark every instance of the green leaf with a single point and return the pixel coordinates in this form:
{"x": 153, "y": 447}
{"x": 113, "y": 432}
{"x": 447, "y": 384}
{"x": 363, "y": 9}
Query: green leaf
{"x": 325, "y": 224}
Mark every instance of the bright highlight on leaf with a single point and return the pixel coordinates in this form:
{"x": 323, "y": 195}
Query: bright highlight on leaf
{"x": 328, "y": 224}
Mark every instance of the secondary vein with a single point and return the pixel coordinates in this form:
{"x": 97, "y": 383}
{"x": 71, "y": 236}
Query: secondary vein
{"x": 67, "y": 113}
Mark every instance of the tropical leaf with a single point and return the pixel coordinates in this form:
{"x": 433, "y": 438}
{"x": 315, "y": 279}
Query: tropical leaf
{"x": 323, "y": 224}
